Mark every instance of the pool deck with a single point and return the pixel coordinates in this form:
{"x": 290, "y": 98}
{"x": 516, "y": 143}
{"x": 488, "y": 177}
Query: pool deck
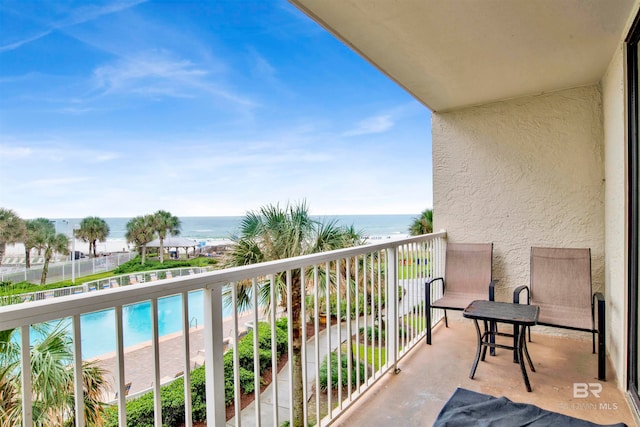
{"x": 138, "y": 362}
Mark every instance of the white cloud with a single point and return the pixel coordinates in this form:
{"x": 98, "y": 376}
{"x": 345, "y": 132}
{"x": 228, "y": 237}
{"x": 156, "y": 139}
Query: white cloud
{"x": 158, "y": 73}
{"x": 13, "y": 153}
{"x": 78, "y": 16}
{"x": 376, "y": 124}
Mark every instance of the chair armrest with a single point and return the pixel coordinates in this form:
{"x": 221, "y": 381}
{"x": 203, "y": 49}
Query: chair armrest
{"x": 435, "y": 279}
{"x": 597, "y": 299}
{"x": 427, "y": 289}
{"x": 492, "y": 289}
{"x": 516, "y": 294}
{"x": 598, "y": 296}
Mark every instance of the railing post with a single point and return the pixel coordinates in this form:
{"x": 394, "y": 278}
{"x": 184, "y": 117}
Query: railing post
{"x": 25, "y": 372}
{"x": 214, "y": 366}
{"x": 392, "y": 307}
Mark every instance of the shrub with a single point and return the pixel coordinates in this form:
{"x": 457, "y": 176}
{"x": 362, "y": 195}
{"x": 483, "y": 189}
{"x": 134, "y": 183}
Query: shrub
{"x": 323, "y": 375}
{"x": 373, "y": 333}
{"x": 140, "y": 410}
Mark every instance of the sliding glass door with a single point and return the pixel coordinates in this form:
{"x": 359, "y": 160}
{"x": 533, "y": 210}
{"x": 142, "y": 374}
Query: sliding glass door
{"x": 633, "y": 121}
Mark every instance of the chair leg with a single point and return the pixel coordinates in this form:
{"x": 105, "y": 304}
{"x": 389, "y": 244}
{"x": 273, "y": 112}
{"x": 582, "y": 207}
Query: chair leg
{"x": 428, "y": 324}
{"x": 427, "y": 304}
{"x": 446, "y": 322}
{"x": 602, "y": 352}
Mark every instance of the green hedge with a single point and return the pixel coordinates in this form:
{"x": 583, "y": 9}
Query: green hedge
{"x": 134, "y": 265}
{"x": 140, "y": 410}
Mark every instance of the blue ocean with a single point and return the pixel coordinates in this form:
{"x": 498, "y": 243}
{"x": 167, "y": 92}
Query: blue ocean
{"x": 210, "y": 229}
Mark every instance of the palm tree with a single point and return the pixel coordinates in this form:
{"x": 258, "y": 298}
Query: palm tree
{"x": 92, "y": 229}
{"x": 53, "y": 243}
{"x": 274, "y": 233}
{"x": 422, "y": 224}
{"x": 35, "y": 236}
{"x": 165, "y": 223}
{"x": 140, "y": 231}
{"x": 52, "y": 380}
{"x": 12, "y": 230}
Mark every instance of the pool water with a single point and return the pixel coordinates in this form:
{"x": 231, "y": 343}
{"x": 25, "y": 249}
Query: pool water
{"x": 99, "y": 328}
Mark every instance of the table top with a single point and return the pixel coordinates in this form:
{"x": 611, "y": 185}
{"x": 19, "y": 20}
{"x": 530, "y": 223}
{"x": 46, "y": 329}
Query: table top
{"x": 504, "y": 312}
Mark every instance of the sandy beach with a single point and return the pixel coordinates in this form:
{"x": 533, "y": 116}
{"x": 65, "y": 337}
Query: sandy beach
{"x": 110, "y": 246}
{"x": 139, "y": 358}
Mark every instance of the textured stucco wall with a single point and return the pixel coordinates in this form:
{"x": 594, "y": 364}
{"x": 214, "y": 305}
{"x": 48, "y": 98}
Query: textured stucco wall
{"x": 613, "y": 101}
{"x": 521, "y": 173}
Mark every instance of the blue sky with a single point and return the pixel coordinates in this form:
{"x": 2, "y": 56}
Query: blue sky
{"x": 121, "y": 108}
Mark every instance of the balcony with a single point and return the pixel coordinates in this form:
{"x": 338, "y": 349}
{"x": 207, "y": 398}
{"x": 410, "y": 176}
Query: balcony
{"x": 380, "y": 284}
{"x": 430, "y": 374}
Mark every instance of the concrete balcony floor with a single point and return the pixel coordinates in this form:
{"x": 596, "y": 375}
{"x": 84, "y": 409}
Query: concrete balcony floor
{"x": 430, "y": 374}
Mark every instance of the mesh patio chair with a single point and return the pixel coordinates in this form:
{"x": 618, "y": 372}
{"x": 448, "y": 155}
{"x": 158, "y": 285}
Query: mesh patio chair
{"x": 560, "y": 284}
{"x": 467, "y": 277}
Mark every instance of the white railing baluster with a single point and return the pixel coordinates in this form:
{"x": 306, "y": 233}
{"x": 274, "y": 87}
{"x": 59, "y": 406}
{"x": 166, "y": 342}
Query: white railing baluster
{"x": 303, "y": 353}
{"x": 392, "y": 313}
{"x": 316, "y": 339}
{"x": 339, "y": 330}
{"x": 274, "y": 348}
{"x": 357, "y": 315}
{"x": 327, "y": 274}
{"x": 365, "y": 307}
{"x": 256, "y": 354}
{"x": 387, "y": 299}
{"x": 236, "y": 356}
{"x": 25, "y": 374}
{"x": 186, "y": 345}
{"x": 349, "y": 331}
{"x": 214, "y": 367}
{"x": 155, "y": 351}
{"x": 78, "y": 383}
{"x": 122, "y": 402}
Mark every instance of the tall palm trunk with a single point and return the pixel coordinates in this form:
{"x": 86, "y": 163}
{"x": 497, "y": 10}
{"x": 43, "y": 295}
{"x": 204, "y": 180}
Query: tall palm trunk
{"x": 296, "y": 356}
{"x": 27, "y": 258}
{"x": 45, "y": 267}
{"x": 143, "y": 254}
{"x": 161, "y": 250}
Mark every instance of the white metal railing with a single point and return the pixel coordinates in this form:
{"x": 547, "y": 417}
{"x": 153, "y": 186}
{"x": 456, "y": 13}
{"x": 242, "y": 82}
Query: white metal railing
{"x": 106, "y": 283}
{"x": 59, "y": 271}
{"x": 378, "y": 292}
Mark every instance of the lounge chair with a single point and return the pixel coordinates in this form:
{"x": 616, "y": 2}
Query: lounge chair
{"x": 467, "y": 278}
{"x": 153, "y": 276}
{"x": 127, "y": 388}
{"x": 560, "y": 284}
{"x": 168, "y": 275}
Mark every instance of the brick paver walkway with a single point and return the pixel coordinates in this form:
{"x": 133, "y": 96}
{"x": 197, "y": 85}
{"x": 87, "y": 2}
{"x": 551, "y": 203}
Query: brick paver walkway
{"x": 139, "y": 358}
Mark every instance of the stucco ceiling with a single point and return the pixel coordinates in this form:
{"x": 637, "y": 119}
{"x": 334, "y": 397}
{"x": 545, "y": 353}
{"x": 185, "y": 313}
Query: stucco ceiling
{"x": 455, "y": 53}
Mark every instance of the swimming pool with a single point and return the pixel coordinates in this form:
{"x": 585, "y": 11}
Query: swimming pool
{"x": 99, "y": 328}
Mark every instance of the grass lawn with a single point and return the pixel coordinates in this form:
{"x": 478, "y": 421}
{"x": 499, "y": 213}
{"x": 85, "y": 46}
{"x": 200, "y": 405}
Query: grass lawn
{"x": 372, "y": 355}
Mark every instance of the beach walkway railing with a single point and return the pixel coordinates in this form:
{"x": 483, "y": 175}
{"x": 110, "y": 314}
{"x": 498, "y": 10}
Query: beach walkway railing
{"x": 100, "y": 284}
{"x": 59, "y": 271}
{"x": 376, "y": 299}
